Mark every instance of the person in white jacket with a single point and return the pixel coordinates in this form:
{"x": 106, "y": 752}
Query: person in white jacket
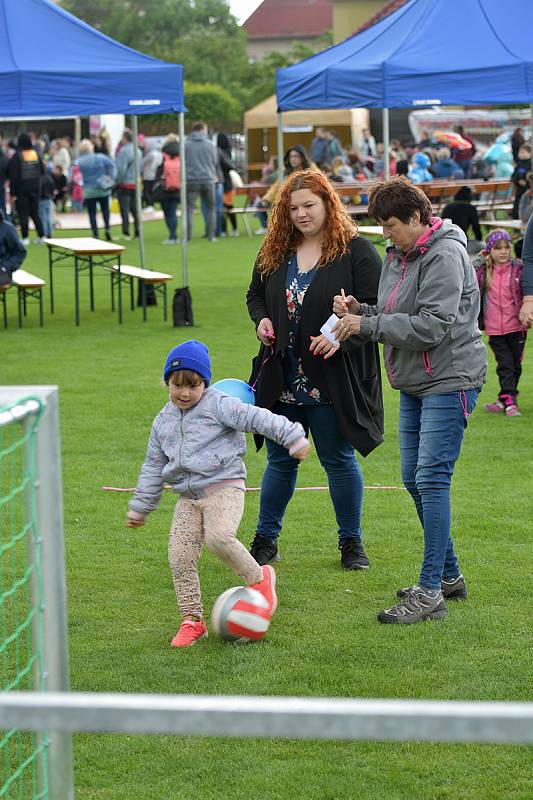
{"x": 196, "y": 444}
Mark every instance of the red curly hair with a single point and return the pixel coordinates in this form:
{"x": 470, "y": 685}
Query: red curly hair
{"x": 283, "y": 238}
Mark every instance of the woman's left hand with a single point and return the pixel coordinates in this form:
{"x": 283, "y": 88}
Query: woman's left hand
{"x": 321, "y": 346}
{"x": 349, "y": 325}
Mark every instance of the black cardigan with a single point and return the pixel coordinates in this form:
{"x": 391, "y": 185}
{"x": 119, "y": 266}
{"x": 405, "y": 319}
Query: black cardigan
{"x": 351, "y": 378}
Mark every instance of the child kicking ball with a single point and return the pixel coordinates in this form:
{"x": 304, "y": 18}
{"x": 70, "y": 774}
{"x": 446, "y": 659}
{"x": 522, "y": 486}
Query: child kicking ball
{"x": 197, "y": 445}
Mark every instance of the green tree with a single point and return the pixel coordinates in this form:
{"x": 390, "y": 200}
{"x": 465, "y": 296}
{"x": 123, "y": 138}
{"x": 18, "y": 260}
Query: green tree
{"x": 200, "y": 34}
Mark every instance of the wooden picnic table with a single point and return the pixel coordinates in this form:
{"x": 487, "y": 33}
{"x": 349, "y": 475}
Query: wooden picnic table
{"x": 86, "y": 253}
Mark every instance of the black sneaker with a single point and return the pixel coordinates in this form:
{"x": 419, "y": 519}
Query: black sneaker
{"x": 452, "y": 589}
{"x": 353, "y": 556}
{"x": 416, "y": 606}
{"x": 264, "y": 550}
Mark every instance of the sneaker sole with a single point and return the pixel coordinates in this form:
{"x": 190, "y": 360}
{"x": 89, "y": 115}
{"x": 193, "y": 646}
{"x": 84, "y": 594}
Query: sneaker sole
{"x": 356, "y": 567}
{"x": 274, "y": 593}
{"x": 397, "y": 621}
{"x": 180, "y": 646}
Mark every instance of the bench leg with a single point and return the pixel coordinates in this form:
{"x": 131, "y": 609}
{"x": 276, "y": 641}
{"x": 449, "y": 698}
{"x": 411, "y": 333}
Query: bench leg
{"x": 20, "y": 293}
{"x": 112, "y": 291}
{"x": 40, "y": 296}
{"x": 165, "y": 316}
{"x": 51, "y": 275}
{"x": 143, "y": 296}
{"x": 132, "y": 295}
{"x": 246, "y": 222}
{"x": 91, "y": 282}
{"x": 4, "y": 308}
{"x": 119, "y": 292}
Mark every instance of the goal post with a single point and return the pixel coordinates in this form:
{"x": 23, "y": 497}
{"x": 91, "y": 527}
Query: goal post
{"x": 35, "y": 409}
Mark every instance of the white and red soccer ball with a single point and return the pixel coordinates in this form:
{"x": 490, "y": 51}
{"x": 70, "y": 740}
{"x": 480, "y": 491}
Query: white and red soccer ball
{"x": 241, "y": 614}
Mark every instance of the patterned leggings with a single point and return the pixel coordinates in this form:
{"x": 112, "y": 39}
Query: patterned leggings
{"x": 214, "y": 520}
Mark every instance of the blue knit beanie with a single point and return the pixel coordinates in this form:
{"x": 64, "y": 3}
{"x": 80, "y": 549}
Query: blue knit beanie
{"x": 191, "y": 355}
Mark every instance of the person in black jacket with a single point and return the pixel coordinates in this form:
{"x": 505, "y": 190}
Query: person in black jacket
{"x": 4, "y": 163}
{"x": 25, "y": 170}
{"x": 311, "y": 253}
{"x": 462, "y": 213}
{"x": 12, "y": 252}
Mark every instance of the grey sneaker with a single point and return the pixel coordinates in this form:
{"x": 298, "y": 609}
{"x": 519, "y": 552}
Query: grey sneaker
{"x": 452, "y": 589}
{"x": 415, "y": 607}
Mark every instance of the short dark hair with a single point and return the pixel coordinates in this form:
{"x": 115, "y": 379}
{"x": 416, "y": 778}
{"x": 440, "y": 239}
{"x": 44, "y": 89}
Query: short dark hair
{"x": 127, "y": 134}
{"x": 198, "y": 126}
{"x": 398, "y": 198}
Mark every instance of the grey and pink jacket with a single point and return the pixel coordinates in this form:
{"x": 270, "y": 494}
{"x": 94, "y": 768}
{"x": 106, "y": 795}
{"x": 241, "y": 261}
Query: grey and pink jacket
{"x": 201, "y": 449}
{"x": 507, "y": 283}
{"x": 426, "y": 315}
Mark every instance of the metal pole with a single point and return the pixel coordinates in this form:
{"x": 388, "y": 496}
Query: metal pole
{"x": 246, "y": 175}
{"x": 280, "y": 148}
{"x": 183, "y": 194}
{"x": 531, "y": 133}
{"x": 271, "y": 717}
{"x": 386, "y": 143}
{"x": 77, "y": 135}
{"x": 138, "y": 201}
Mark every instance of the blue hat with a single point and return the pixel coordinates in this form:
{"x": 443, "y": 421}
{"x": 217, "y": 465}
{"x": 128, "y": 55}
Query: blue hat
{"x": 191, "y": 355}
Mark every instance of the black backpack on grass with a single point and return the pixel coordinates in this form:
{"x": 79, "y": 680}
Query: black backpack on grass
{"x": 182, "y": 308}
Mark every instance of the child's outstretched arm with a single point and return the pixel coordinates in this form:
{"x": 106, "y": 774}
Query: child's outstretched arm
{"x": 251, "y": 419}
{"x": 149, "y": 485}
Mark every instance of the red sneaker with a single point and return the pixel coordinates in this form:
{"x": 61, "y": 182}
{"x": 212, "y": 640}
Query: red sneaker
{"x": 267, "y": 587}
{"x": 190, "y": 632}
{"x": 512, "y": 410}
{"x": 494, "y": 408}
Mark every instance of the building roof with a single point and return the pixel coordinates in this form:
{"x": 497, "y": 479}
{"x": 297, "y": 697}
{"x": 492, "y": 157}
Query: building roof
{"x": 388, "y": 8}
{"x": 285, "y": 18}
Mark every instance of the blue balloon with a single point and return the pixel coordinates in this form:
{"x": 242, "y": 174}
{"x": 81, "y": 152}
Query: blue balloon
{"x": 236, "y": 388}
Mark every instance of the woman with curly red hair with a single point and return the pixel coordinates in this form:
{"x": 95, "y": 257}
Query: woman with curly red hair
{"x": 311, "y": 253}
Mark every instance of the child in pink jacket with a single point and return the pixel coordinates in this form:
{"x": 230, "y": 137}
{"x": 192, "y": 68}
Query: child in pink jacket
{"x": 499, "y": 278}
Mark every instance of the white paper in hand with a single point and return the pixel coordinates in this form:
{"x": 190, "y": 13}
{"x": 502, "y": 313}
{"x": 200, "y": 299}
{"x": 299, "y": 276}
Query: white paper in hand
{"x": 327, "y": 328}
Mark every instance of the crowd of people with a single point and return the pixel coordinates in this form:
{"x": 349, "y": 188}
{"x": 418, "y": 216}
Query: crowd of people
{"x": 44, "y": 176}
{"x": 39, "y": 177}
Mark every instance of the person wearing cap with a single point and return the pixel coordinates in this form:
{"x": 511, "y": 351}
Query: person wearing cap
{"x": 500, "y": 285}
{"x": 197, "y": 445}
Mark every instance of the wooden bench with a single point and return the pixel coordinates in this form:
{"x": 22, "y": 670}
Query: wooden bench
{"x": 145, "y": 277}
{"x": 29, "y": 287}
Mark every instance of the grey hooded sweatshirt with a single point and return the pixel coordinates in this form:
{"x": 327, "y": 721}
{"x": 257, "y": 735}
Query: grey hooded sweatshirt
{"x": 201, "y": 158}
{"x": 200, "y": 448}
{"x": 426, "y": 315}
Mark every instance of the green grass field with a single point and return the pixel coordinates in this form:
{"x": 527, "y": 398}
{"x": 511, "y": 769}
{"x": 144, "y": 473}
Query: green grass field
{"x": 324, "y": 640}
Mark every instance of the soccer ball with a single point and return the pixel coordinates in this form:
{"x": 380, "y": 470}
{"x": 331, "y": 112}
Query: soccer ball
{"x": 240, "y": 614}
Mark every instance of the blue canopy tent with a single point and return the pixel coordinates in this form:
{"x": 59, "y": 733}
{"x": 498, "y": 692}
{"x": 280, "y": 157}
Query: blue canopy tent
{"x": 428, "y": 52}
{"x": 54, "y": 65}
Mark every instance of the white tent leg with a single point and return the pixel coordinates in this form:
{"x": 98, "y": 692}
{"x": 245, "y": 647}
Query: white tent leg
{"x": 280, "y": 147}
{"x": 183, "y": 194}
{"x": 386, "y": 143}
{"x": 138, "y": 202}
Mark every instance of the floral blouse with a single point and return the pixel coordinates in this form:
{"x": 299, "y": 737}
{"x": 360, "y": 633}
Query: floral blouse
{"x": 296, "y": 386}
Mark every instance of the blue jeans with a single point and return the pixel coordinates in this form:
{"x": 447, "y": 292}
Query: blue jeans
{"x": 45, "y": 212}
{"x": 336, "y": 455}
{"x": 170, "y": 210}
{"x": 91, "y": 204}
{"x": 431, "y": 431}
{"x": 219, "y": 208}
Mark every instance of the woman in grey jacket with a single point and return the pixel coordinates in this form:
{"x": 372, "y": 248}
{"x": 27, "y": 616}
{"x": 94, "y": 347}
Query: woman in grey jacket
{"x": 426, "y": 316}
